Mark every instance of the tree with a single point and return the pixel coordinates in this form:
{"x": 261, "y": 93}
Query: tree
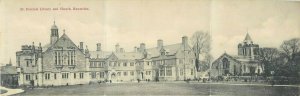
{"x": 291, "y": 50}
{"x": 201, "y": 44}
{"x": 267, "y": 57}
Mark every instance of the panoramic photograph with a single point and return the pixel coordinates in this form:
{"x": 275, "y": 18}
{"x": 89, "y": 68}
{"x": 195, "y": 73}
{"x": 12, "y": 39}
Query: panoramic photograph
{"x": 150, "y": 47}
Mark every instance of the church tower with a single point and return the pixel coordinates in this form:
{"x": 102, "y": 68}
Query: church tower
{"x": 247, "y": 49}
{"x": 54, "y": 34}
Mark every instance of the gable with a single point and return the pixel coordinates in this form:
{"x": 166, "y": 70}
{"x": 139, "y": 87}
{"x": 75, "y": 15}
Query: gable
{"x": 64, "y": 42}
{"x": 225, "y": 55}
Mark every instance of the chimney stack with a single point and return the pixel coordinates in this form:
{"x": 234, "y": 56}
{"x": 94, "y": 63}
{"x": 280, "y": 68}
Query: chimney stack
{"x": 159, "y": 43}
{"x": 184, "y": 40}
{"x": 135, "y": 49}
{"x": 81, "y": 45}
{"x": 122, "y": 50}
{"x": 142, "y": 47}
{"x": 98, "y": 46}
{"x": 117, "y": 47}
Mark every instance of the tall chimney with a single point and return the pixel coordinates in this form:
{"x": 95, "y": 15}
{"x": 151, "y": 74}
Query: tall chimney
{"x": 142, "y": 47}
{"x": 159, "y": 43}
{"x": 98, "y": 46}
{"x": 122, "y": 50}
{"x": 81, "y": 45}
{"x": 184, "y": 40}
{"x": 117, "y": 47}
{"x": 135, "y": 49}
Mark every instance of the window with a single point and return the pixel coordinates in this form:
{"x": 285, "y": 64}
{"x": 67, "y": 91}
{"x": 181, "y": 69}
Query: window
{"x": 65, "y": 75}
{"x": 125, "y": 64}
{"x": 54, "y": 75}
{"x": 119, "y": 64}
{"x": 47, "y": 76}
{"x": 93, "y": 74}
{"x": 162, "y": 71}
{"x": 148, "y": 72}
{"x": 125, "y": 73}
{"x": 119, "y": 73}
{"x": 101, "y": 74}
{"x": 27, "y": 63}
{"x": 181, "y": 72}
{"x": 169, "y": 71}
{"x": 180, "y": 61}
{"x": 81, "y": 75}
{"x": 27, "y": 77}
{"x": 148, "y": 63}
{"x": 132, "y": 73}
{"x": 74, "y": 75}
{"x": 55, "y": 61}
{"x": 131, "y": 64}
{"x": 192, "y": 71}
{"x": 36, "y": 77}
{"x": 91, "y": 64}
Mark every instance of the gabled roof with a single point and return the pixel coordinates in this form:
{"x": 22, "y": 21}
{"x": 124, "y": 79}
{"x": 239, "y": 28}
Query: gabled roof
{"x": 171, "y": 49}
{"x": 228, "y": 56}
{"x": 64, "y": 41}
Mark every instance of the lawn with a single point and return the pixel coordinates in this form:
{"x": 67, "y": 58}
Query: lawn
{"x": 167, "y": 89}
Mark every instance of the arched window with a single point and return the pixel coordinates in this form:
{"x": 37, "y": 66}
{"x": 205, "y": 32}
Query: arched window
{"x": 225, "y": 63}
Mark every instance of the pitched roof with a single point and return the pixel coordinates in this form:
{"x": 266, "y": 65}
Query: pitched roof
{"x": 100, "y": 54}
{"x": 9, "y": 70}
{"x": 172, "y": 49}
{"x": 228, "y": 56}
{"x": 128, "y": 55}
{"x": 64, "y": 41}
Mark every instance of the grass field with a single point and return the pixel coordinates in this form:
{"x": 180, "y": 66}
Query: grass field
{"x": 167, "y": 89}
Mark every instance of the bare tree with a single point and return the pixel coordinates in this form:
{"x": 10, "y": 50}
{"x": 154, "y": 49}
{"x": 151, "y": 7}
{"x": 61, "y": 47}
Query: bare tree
{"x": 201, "y": 44}
{"x": 291, "y": 48}
{"x": 268, "y": 58}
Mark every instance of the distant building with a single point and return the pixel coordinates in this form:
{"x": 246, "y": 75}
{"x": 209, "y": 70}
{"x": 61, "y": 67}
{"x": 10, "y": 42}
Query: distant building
{"x": 245, "y": 63}
{"x": 61, "y": 62}
{"x": 9, "y": 75}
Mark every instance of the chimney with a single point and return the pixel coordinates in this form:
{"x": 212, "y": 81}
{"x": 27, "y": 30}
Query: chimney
{"x": 184, "y": 40}
{"x": 122, "y": 50}
{"x": 81, "y": 45}
{"x": 159, "y": 43}
{"x": 135, "y": 49}
{"x": 117, "y": 47}
{"x": 142, "y": 47}
{"x": 98, "y": 46}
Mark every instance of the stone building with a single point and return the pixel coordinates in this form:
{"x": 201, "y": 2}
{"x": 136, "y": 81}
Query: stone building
{"x": 245, "y": 63}
{"x": 61, "y": 62}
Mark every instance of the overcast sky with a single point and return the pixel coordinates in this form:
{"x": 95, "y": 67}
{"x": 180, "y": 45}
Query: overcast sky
{"x": 130, "y": 22}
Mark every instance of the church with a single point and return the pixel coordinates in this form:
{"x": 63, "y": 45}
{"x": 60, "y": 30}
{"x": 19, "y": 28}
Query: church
{"x": 245, "y": 63}
{"x": 61, "y": 62}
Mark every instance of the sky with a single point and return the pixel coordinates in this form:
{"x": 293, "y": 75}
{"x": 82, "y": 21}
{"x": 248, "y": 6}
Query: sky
{"x": 131, "y": 22}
